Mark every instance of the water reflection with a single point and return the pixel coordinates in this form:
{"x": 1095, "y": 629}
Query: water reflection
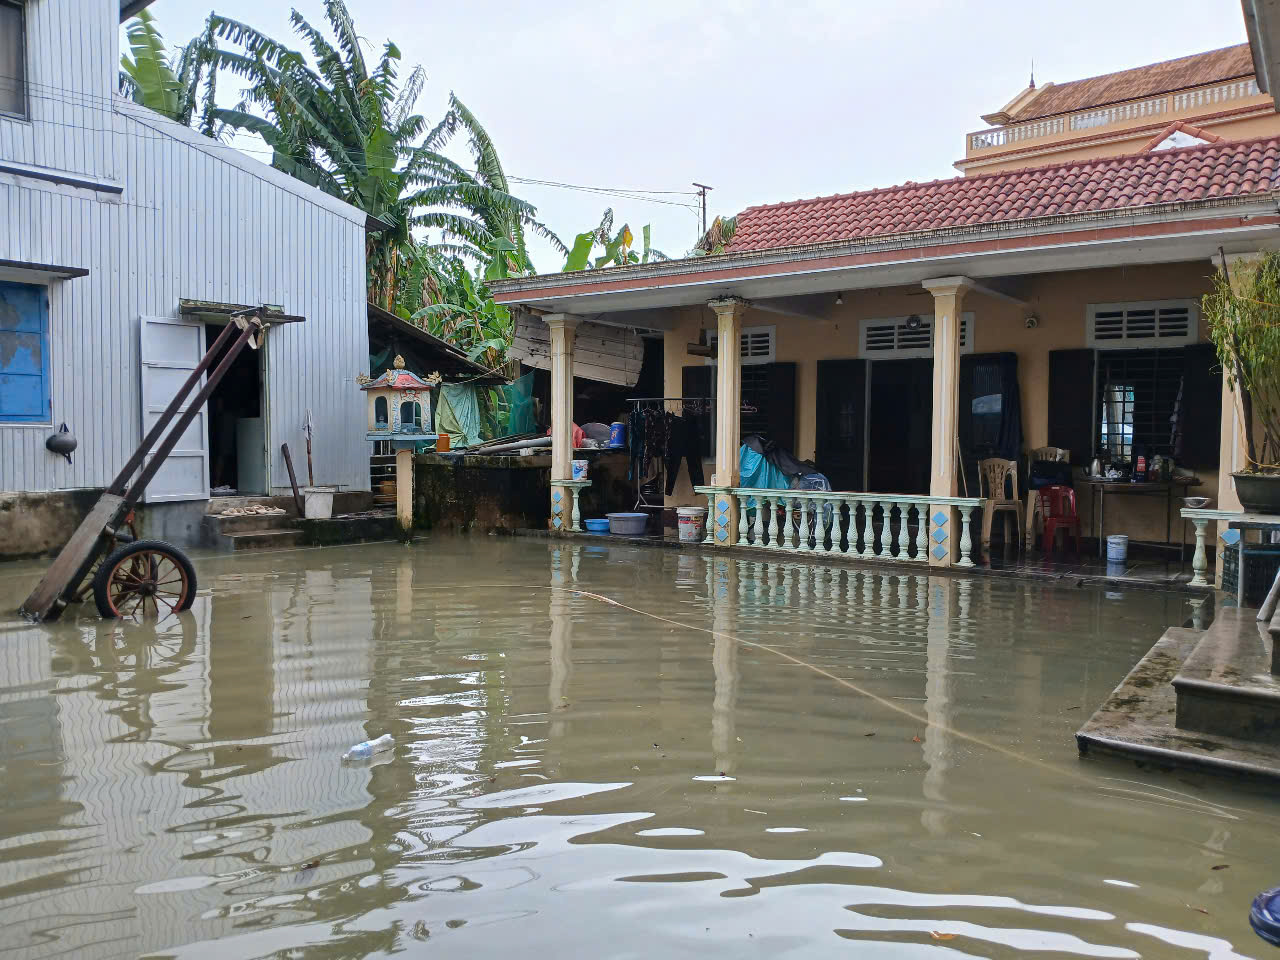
{"x": 557, "y": 779}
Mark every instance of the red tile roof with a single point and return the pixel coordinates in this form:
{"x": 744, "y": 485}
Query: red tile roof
{"x": 1200, "y": 68}
{"x": 1169, "y": 176}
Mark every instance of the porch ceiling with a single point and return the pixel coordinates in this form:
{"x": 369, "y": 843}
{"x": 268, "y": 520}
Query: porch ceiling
{"x": 801, "y": 280}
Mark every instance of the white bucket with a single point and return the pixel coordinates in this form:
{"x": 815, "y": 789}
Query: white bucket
{"x": 317, "y": 503}
{"x": 1117, "y": 548}
{"x": 692, "y": 522}
{"x": 579, "y": 469}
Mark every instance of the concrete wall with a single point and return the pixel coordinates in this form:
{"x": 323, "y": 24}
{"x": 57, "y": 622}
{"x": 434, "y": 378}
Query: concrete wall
{"x": 1059, "y": 300}
{"x": 481, "y": 494}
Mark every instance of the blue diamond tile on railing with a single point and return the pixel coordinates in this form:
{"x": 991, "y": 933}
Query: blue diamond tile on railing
{"x": 939, "y": 536}
{"x": 556, "y": 522}
{"x": 939, "y": 551}
{"x": 722, "y": 534}
{"x": 939, "y": 519}
{"x": 555, "y": 496}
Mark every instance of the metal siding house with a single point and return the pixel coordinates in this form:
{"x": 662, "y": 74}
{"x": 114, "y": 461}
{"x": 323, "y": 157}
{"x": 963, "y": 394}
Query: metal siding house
{"x": 116, "y": 216}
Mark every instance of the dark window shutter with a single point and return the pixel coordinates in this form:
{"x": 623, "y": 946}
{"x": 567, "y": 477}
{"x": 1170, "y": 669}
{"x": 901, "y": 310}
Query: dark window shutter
{"x": 1071, "y": 402}
{"x": 699, "y": 381}
{"x": 781, "y": 405}
{"x": 1201, "y": 407}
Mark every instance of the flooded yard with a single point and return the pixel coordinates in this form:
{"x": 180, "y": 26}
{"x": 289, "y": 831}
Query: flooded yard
{"x": 602, "y": 751}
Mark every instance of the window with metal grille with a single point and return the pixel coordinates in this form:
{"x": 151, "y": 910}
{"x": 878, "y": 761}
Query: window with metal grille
{"x": 1120, "y": 326}
{"x": 758, "y": 344}
{"x": 896, "y": 338}
{"x": 1139, "y": 392}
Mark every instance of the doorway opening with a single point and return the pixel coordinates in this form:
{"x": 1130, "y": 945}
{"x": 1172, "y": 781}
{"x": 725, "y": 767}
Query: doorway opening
{"x": 900, "y": 426}
{"x": 237, "y": 429}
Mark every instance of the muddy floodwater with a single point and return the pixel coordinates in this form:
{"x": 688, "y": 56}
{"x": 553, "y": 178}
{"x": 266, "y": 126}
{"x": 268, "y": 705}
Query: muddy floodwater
{"x": 602, "y": 751}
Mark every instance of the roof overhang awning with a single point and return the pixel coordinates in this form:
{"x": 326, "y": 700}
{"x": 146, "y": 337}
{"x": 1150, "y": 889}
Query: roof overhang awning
{"x": 22, "y": 271}
{"x": 210, "y": 310}
{"x": 131, "y": 8}
{"x": 1174, "y": 233}
{"x": 1262, "y": 23}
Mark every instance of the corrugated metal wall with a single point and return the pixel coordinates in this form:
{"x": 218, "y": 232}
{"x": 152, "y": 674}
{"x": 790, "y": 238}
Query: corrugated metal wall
{"x": 196, "y": 220}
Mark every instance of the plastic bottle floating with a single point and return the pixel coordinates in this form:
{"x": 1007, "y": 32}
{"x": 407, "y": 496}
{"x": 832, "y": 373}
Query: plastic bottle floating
{"x": 367, "y": 748}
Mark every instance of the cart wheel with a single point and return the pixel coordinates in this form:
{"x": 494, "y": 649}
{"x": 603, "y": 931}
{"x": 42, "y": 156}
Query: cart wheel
{"x": 144, "y": 578}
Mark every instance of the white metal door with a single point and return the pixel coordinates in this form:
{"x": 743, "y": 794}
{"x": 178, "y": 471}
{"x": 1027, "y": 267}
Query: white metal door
{"x": 171, "y": 348}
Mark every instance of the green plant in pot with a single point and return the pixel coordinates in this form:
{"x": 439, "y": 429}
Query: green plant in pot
{"x": 1243, "y": 313}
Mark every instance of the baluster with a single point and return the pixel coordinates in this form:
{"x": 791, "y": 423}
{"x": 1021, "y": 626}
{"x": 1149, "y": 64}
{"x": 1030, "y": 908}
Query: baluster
{"x": 788, "y": 528}
{"x": 576, "y": 516}
{"x": 805, "y": 504}
{"x": 830, "y": 520}
{"x": 757, "y": 537}
{"x": 966, "y": 544}
{"x": 904, "y": 535}
{"x": 742, "y": 518}
{"x": 711, "y": 519}
{"x": 922, "y": 532}
{"x": 884, "y": 529}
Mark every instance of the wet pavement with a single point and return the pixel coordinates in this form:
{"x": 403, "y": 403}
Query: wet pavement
{"x": 602, "y": 751}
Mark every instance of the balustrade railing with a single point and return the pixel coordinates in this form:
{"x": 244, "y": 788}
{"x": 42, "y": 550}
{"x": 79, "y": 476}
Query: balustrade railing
{"x": 1152, "y": 107}
{"x": 901, "y": 527}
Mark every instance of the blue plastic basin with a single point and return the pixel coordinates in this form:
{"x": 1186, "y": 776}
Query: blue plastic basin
{"x": 600, "y": 525}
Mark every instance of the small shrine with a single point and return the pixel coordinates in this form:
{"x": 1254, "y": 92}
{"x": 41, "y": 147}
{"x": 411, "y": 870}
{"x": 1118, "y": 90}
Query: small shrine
{"x": 400, "y": 412}
{"x": 400, "y": 406}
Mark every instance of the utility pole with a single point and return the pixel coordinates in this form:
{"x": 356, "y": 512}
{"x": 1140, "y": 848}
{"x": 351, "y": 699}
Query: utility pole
{"x": 702, "y": 192}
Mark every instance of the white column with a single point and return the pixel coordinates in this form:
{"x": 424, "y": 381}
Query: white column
{"x": 724, "y": 520}
{"x": 404, "y": 491}
{"x": 948, "y": 297}
{"x": 562, "y": 326}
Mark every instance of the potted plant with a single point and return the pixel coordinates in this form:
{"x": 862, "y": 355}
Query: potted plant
{"x": 1243, "y": 313}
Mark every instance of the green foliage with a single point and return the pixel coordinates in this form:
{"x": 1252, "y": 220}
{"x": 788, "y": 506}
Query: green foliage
{"x": 171, "y": 87}
{"x": 616, "y": 247}
{"x": 717, "y": 237}
{"x": 346, "y": 124}
{"x": 1243, "y": 313}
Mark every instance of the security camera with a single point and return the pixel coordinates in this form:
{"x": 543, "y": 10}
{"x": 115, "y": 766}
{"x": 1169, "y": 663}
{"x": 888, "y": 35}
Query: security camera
{"x": 1032, "y": 322}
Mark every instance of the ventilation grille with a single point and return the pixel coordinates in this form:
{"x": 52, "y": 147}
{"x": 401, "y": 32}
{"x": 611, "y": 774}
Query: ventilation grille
{"x": 1123, "y": 325}
{"x": 758, "y": 344}
{"x": 895, "y": 337}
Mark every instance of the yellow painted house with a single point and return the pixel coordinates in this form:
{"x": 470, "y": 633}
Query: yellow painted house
{"x": 1048, "y": 297}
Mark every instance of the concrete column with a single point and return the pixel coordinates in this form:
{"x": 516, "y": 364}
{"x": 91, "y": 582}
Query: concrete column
{"x": 724, "y": 523}
{"x": 404, "y": 491}
{"x": 562, "y": 326}
{"x": 944, "y": 479}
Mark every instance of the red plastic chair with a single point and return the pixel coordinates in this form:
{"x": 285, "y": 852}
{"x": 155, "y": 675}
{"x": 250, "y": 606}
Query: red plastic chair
{"x": 1058, "y": 508}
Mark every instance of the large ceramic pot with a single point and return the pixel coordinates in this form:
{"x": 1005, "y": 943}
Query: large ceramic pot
{"x": 1258, "y": 492}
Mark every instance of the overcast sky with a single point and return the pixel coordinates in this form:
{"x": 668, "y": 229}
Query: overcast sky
{"x": 765, "y": 101}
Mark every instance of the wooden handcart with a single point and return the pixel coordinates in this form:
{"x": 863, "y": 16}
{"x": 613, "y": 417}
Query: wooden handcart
{"x": 130, "y": 577}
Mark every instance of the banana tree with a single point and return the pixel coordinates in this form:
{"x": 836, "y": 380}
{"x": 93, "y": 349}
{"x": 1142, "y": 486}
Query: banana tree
{"x": 616, "y": 247}
{"x": 170, "y": 85}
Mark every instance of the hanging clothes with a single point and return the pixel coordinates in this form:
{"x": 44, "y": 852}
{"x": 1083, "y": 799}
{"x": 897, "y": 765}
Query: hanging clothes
{"x": 684, "y": 442}
{"x": 635, "y": 442}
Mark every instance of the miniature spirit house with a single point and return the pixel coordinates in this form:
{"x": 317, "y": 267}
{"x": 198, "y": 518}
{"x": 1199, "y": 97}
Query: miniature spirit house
{"x": 400, "y": 406}
{"x": 400, "y": 412}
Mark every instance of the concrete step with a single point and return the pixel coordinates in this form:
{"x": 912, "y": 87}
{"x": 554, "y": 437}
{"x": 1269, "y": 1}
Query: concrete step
{"x": 247, "y": 524}
{"x": 1137, "y": 722}
{"x": 263, "y": 539}
{"x": 1226, "y": 686}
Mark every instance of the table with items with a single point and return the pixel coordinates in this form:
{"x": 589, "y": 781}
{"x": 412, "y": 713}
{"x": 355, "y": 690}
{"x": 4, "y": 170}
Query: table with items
{"x": 1101, "y": 487}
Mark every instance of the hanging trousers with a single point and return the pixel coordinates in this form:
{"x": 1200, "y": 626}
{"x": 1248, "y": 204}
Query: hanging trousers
{"x": 684, "y": 441}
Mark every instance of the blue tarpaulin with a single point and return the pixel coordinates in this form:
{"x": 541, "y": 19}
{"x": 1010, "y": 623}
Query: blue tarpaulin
{"x": 757, "y": 472}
